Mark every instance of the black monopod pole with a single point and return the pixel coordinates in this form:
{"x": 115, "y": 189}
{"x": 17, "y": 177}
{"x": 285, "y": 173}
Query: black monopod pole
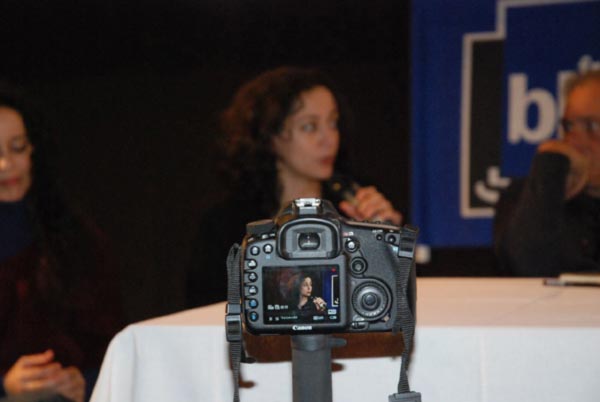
{"x": 311, "y": 367}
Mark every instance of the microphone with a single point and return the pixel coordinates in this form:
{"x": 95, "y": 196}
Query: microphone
{"x": 344, "y": 187}
{"x": 321, "y": 305}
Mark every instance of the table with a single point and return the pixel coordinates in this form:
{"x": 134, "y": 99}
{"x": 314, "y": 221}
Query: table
{"x": 477, "y": 340}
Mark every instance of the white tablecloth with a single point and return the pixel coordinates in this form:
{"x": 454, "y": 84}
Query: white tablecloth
{"x": 477, "y": 340}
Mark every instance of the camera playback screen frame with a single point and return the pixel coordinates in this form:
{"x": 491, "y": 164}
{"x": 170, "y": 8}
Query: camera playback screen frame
{"x": 288, "y": 300}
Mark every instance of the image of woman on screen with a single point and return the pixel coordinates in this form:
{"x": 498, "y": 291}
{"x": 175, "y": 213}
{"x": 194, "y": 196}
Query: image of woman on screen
{"x": 301, "y": 299}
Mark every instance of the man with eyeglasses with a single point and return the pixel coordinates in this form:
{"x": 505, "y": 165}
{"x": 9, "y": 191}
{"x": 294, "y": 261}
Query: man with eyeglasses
{"x": 550, "y": 222}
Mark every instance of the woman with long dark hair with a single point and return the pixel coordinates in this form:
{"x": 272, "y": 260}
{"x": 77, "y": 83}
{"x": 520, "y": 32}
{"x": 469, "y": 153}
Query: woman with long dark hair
{"x": 59, "y": 305}
{"x": 283, "y": 140}
{"x": 299, "y": 292}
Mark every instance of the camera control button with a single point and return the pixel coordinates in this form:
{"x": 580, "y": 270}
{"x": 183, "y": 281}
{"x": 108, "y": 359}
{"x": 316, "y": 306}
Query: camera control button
{"x": 370, "y": 300}
{"x": 268, "y": 248}
{"x": 391, "y": 238}
{"x": 358, "y": 266}
{"x": 351, "y": 245}
{"x": 254, "y": 250}
{"x": 252, "y": 277}
{"x": 252, "y": 290}
{"x": 361, "y": 325}
{"x": 253, "y": 316}
{"x": 251, "y": 264}
{"x": 252, "y": 303}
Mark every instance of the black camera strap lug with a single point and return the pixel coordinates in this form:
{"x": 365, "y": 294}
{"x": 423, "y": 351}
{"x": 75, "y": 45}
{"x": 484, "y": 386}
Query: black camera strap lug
{"x": 233, "y": 323}
{"x": 233, "y": 319}
{"x": 408, "y": 242}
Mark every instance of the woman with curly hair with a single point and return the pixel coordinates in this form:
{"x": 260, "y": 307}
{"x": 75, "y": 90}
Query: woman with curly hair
{"x": 299, "y": 292}
{"x": 58, "y": 306}
{"x": 283, "y": 141}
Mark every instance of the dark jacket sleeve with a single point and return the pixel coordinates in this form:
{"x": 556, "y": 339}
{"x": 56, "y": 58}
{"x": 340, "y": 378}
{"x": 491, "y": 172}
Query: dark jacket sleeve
{"x": 530, "y": 219}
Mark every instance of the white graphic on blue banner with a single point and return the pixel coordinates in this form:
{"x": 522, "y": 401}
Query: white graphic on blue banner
{"x": 486, "y": 92}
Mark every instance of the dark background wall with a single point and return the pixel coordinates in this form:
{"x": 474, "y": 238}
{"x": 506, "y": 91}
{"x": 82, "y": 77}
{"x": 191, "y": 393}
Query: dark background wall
{"x": 133, "y": 89}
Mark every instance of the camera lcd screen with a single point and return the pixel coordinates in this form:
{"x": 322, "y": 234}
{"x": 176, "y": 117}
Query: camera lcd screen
{"x": 301, "y": 294}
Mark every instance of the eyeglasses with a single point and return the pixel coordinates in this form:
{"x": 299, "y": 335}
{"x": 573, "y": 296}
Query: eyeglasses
{"x": 586, "y": 125}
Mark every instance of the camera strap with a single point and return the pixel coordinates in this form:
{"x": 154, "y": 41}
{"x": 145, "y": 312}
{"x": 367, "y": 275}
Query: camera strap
{"x": 233, "y": 319}
{"x": 405, "y": 319}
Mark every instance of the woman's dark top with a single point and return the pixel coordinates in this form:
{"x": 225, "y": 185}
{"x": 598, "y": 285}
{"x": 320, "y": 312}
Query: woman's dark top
{"x": 15, "y": 231}
{"x": 309, "y": 309}
{"x": 220, "y": 227}
{"x": 44, "y": 305}
{"x": 537, "y": 232}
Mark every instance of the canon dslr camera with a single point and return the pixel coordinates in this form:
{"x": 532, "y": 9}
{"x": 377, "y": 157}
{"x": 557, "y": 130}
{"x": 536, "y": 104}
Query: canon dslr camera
{"x": 310, "y": 270}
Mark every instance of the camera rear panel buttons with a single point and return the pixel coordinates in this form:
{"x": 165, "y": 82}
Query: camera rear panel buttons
{"x": 351, "y": 245}
{"x": 253, "y": 316}
{"x": 268, "y": 248}
{"x": 252, "y": 291}
{"x": 360, "y": 325}
{"x": 252, "y": 303}
{"x": 252, "y": 277}
{"x": 391, "y": 238}
{"x": 254, "y": 250}
{"x": 358, "y": 266}
{"x": 251, "y": 264}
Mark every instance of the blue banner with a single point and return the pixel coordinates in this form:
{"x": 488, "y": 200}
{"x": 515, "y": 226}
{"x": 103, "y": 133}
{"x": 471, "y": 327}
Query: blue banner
{"x": 486, "y": 90}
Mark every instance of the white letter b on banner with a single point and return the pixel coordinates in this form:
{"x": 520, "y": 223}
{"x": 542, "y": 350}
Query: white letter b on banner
{"x": 520, "y": 99}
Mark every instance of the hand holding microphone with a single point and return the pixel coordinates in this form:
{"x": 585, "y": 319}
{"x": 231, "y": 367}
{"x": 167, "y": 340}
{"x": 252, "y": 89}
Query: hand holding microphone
{"x": 364, "y": 203}
{"x": 320, "y": 304}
